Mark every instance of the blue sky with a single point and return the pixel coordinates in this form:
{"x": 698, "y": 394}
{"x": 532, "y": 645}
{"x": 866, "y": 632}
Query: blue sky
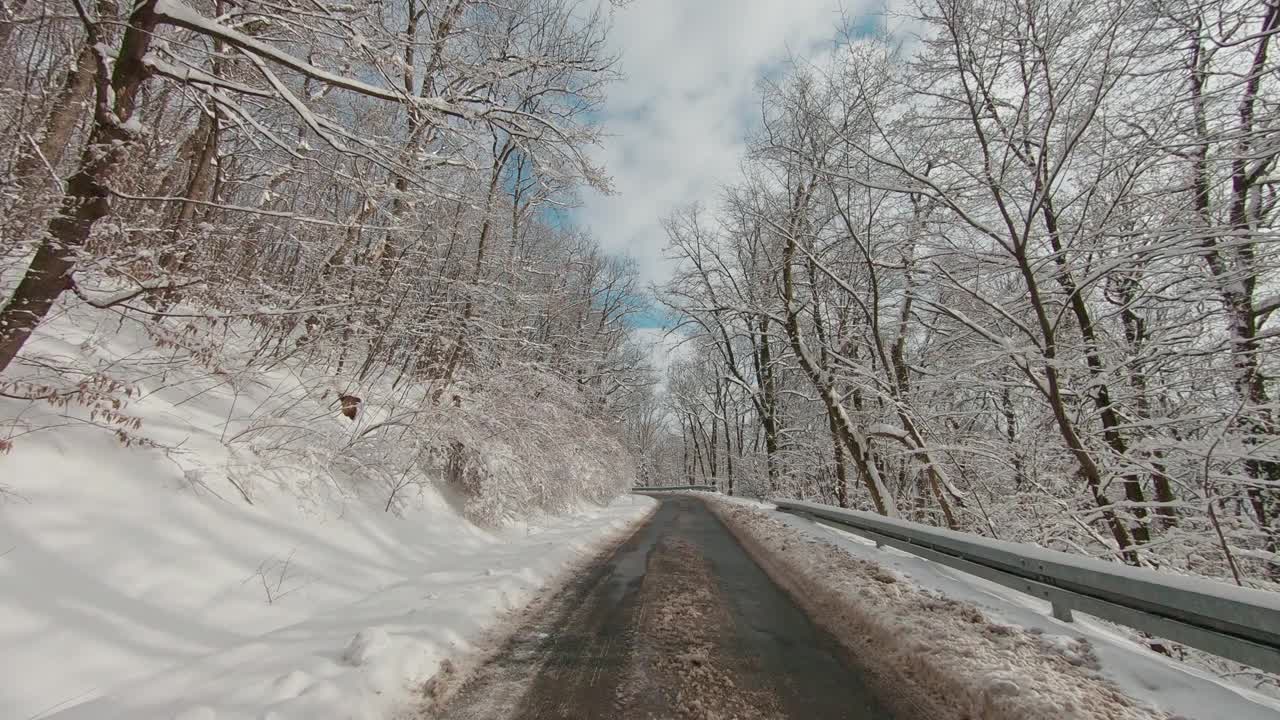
{"x": 652, "y": 319}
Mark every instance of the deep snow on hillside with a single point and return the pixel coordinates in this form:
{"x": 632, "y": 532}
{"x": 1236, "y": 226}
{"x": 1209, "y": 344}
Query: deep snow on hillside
{"x": 118, "y": 568}
{"x": 252, "y": 550}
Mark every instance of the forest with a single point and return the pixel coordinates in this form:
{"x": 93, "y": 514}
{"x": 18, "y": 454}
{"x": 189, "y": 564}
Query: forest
{"x": 1010, "y": 269}
{"x": 302, "y": 328}
{"x": 368, "y": 195}
{"x": 1006, "y": 267}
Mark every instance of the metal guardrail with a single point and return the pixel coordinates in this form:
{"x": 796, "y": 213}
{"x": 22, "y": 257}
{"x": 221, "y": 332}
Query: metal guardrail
{"x": 1225, "y": 620}
{"x": 672, "y": 488}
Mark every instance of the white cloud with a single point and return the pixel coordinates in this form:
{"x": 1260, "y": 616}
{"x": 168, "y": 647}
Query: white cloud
{"x": 664, "y": 348}
{"x": 679, "y": 118}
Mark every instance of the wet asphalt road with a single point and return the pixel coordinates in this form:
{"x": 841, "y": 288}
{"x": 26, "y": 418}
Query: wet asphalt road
{"x": 676, "y": 622}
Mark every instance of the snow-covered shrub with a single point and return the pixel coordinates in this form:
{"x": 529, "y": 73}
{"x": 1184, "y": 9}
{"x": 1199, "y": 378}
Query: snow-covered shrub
{"x": 501, "y": 445}
{"x": 521, "y": 439}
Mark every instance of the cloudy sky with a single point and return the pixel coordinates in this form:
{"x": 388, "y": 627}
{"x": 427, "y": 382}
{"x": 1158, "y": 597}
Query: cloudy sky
{"x": 678, "y": 119}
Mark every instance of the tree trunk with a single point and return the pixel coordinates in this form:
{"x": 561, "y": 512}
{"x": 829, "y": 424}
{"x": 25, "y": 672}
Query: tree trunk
{"x": 1101, "y": 394}
{"x": 1085, "y": 461}
{"x": 768, "y": 399}
{"x": 1234, "y": 267}
{"x": 837, "y": 452}
{"x": 88, "y": 190}
{"x": 728, "y": 454}
{"x": 34, "y": 168}
{"x": 858, "y": 446}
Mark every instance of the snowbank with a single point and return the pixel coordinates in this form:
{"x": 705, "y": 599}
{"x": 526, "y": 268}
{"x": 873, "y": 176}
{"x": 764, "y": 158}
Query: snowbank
{"x": 192, "y": 529}
{"x": 117, "y": 568}
{"x": 966, "y": 645}
{"x": 933, "y": 656}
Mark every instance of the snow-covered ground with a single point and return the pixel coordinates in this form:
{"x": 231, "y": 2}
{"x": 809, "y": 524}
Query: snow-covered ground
{"x": 125, "y": 593}
{"x": 1095, "y": 649}
{"x": 218, "y": 559}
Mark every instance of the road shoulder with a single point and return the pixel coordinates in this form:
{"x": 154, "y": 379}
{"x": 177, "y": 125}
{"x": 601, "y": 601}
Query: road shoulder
{"x": 934, "y": 657}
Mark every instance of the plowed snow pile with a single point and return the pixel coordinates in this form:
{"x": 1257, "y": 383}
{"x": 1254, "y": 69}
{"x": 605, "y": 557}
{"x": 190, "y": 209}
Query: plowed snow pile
{"x": 935, "y": 657}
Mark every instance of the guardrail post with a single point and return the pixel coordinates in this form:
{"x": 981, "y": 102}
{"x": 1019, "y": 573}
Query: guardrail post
{"x": 1061, "y": 611}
